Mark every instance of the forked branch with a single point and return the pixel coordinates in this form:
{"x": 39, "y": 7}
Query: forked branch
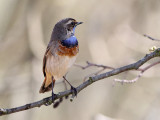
{"x": 133, "y": 66}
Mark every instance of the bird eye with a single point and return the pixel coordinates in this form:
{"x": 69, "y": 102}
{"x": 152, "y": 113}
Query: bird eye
{"x": 73, "y": 23}
{"x": 68, "y": 29}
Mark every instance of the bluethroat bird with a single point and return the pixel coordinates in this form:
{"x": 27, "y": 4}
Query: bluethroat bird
{"x": 60, "y": 54}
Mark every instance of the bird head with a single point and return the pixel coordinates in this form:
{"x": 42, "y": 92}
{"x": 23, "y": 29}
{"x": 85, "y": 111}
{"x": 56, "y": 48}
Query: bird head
{"x": 65, "y": 28}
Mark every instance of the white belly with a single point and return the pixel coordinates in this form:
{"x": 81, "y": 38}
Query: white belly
{"x": 58, "y": 66}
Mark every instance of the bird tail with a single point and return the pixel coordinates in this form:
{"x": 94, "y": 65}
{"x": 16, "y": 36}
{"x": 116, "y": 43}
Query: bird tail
{"x": 47, "y": 85}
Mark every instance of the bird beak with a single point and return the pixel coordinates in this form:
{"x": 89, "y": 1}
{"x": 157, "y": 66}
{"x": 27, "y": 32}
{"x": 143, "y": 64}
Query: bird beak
{"x": 78, "y": 23}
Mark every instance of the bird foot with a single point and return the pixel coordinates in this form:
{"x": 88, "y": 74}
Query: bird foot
{"x": 53, "y": 97}
{"x": 74, "y": 91}
{"x": 52, "y": 101}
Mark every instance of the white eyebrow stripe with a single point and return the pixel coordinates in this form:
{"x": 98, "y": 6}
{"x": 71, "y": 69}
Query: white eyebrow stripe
{"x": 69, "y": 22}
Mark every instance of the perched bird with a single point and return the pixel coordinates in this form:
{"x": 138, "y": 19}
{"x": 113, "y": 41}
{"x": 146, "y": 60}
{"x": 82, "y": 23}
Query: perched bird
{"x": 60, "y": 54}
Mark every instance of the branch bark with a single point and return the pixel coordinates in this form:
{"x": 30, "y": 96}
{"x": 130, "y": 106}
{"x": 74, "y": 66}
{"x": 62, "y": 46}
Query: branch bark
{"x": 91, "y": 80}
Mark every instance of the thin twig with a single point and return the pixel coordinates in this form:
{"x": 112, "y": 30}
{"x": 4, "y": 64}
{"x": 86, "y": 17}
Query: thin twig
{"x": 151, "y": 38}
{"x": 139, "y": 75}
{"x": 93, "y": 74}
{"x": 89, "y": 64}
{"x": 91, "y": 80}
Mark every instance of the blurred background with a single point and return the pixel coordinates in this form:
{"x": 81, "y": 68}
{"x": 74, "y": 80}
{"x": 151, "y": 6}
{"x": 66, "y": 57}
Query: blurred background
{"x": 112, "y": 34}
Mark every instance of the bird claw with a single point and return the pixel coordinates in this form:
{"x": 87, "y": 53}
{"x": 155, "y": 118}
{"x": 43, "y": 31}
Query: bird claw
{"x": 51, "y": 101}
{"x": 53, "y": 97}
{"x": 74, "y": 91}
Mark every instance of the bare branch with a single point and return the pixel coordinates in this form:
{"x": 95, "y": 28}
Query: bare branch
{"x": 91, "y": 80}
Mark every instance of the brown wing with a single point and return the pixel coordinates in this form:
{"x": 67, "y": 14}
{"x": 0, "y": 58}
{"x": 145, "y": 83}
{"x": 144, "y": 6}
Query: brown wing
{"x": 47, "y": 86}
{"x": 44, "y": 61}
{"x": 50, "y": 48}
{"x": 44, "y": 64}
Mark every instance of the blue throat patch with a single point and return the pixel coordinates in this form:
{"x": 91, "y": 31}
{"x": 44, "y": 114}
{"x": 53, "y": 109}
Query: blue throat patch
{"x": 70, "y": 42}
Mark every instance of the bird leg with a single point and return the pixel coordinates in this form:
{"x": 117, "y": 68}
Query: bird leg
{"x": 65, "y": 85}
{"x": 53, "y": 95}
{"x": 73, "y": 89}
